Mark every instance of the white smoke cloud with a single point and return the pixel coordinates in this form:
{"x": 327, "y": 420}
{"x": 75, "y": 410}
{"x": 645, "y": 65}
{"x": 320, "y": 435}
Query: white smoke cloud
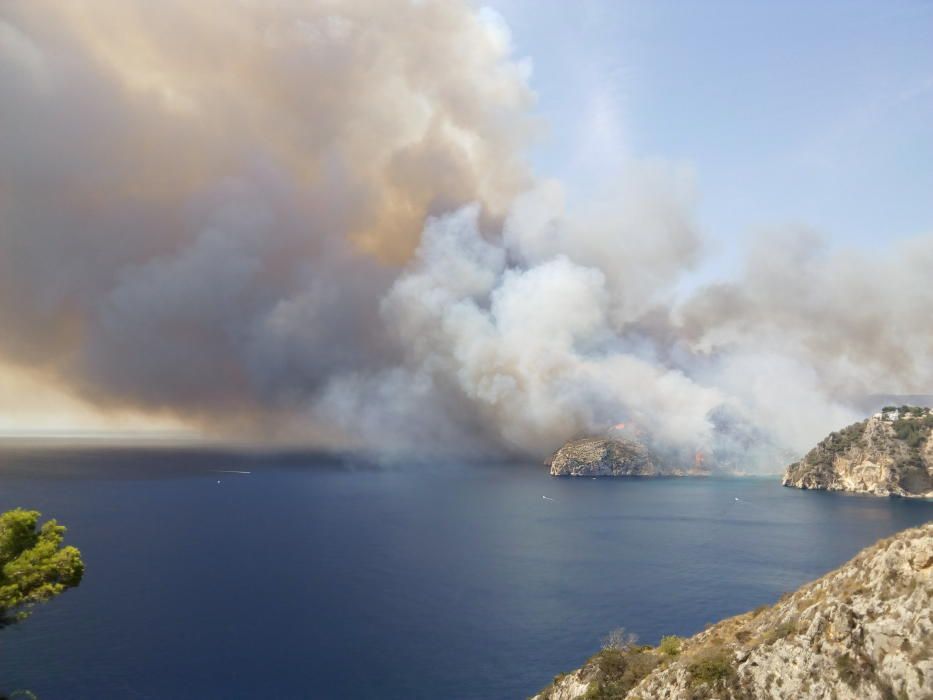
{"x": 539, "y": 338}
{"x": 533, "y": 346}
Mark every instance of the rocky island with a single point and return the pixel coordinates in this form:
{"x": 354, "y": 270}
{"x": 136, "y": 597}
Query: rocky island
{"x": 596, "y": 456}
{"x": 889, "y": 454}
{"x": 862, "y": 631}
{"x": 603, "y": 457}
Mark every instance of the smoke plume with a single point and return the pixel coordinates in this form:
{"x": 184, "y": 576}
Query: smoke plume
{"x": 315, "y": 222}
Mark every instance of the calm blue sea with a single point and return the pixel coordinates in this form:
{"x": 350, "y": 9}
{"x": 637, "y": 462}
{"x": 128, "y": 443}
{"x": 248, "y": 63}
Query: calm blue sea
{"x": 310, "y": 579}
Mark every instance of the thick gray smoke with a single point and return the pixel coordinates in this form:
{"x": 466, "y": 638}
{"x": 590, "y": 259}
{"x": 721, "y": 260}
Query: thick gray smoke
{"x": 202, "y": 203}
{"x": 313, "y": 222}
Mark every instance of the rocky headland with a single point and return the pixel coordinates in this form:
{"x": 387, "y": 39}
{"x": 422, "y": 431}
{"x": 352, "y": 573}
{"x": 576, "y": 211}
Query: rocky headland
{"x": 861, "y": 632}
{"x": 889, "y": 454}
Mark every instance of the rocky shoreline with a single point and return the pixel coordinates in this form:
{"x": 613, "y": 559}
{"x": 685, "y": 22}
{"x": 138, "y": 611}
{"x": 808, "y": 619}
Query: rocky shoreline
{"x": 863, "y": 631}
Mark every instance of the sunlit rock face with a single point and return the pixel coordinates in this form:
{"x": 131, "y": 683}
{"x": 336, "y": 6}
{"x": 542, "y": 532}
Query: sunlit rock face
{"x": 862, "y": 631}
{"x": 890, "y": 454}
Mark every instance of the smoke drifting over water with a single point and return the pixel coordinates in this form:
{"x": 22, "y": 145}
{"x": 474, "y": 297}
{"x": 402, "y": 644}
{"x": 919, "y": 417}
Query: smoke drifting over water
{"x": 313, "y": 222}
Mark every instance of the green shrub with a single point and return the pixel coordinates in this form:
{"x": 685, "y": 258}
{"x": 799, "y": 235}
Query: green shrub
{"x": 783, "y": 630}
{"x": 670, "y": 646}
{"x": 848, "y": 671}
{"x": 911, "y": 431}
{"x": 712, "y": 667}
{"x": 618, "y": 671}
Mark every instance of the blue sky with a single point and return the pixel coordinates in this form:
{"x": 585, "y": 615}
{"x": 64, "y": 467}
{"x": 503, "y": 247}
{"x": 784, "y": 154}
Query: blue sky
{"x": 817, "y": 114}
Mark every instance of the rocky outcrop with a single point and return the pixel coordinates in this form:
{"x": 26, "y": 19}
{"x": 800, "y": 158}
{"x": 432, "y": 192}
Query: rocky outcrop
{"x": 862, "y": 632}
{"x": 603, "y": 457}
{"x": 889, "y": 454}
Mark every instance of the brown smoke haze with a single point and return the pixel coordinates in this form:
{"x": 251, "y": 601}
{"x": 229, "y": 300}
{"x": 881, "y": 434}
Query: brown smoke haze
{"x": 315, "y": 223}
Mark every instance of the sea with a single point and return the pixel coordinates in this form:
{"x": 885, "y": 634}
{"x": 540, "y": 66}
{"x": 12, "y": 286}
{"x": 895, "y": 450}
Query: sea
{"x": 215, "y": 574}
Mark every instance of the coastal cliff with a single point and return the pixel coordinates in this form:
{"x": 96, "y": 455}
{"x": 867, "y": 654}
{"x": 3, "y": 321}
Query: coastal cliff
{"x": 861, "y": 632}
{"x": 890, "y": 454}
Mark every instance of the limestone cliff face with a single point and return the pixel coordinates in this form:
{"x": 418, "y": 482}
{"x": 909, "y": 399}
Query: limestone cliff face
{"x": 603, "y": 457}
{"x": 880, "y": 456}
{"x": 862, "y": 632}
